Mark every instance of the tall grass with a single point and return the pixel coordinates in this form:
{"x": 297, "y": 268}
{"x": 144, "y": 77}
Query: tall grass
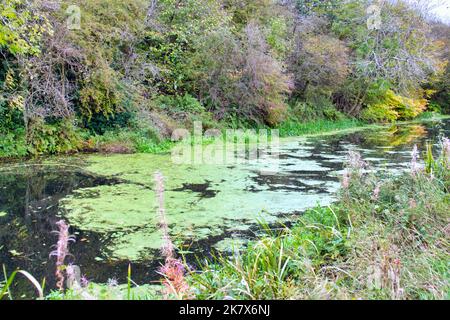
{"x": 295, "y": 128}
{"x": 5, "y": 288}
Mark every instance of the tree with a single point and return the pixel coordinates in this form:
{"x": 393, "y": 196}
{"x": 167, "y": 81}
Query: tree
{"x": 175, "y": 27}
{"x": 441, "y": 83}
{"x": 319, "y": 62}
{"x": 400, "y": 54}
{"x": 23, "y": 26}
{"x": 239, "y": 77}
{"x": 316, "y": 7}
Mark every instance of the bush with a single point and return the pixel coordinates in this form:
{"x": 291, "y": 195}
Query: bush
{"x": 100, "y": 124}
{"x": 380, "y": 113}
{"x": 13, "y": 144}
{"x": 319, "y": 62}
{"x": 391, "y": 107}
{"x": 316, "y": 107}
{"x": 58, "y": 137}
{"x": 129, "y": 141}
{"x": 11, "y": 119}
{"x": 186, "y": 103}
{"x": 238, "y": 78}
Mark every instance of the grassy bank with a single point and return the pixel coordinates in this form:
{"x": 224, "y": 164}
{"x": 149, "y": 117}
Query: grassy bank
{"x": 128, "y": 141}
{"x": 291, "y": 128}
{"x": 324, "y": 126}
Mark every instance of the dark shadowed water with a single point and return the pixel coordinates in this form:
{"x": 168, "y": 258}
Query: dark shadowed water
{"x": 30, "y": 195}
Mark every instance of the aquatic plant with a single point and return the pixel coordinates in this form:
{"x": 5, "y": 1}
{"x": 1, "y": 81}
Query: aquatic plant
{"x": 438, "y": 167}
{"x": 173, "y": 270}
{"x": 298, "y": 127}
{"x": 61, "y": 251}
{"x": 353, "y": 168}
{"x": 167, "y": 248}
{"x": 71, "y": 272}
{"x": 175, "y": 283}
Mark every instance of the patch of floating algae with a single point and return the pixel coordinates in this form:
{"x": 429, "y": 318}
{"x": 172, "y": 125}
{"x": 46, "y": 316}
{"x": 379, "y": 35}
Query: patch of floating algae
{"x": 201, "y": 201}
{"x": 139, "y": 168}
{"x": 124, "y": 212}
{"x": 230, "y": 245}
{"x": 118, "y": 207}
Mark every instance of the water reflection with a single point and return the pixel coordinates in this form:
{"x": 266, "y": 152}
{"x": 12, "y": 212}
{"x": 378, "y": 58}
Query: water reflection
{"x": 29, "y": 197}
{"x": 398, "y": 136}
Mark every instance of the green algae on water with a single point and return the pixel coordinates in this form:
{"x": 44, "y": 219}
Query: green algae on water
{"x": 123, "y": 212}
{"x": 201, "y": 201}
{"x": 230, "y": 245}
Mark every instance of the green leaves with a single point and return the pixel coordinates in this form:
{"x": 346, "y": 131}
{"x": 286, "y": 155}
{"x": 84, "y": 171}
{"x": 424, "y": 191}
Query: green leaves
{"x": 22, "y": 27}
{"x": 4, "y": 289}
{"x": 60, "y": 137}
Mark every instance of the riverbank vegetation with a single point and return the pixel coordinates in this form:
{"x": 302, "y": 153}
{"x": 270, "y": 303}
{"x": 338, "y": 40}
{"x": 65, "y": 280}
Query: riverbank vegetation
{"x": 119, "y": 77}
{"x": 386, "y": 237}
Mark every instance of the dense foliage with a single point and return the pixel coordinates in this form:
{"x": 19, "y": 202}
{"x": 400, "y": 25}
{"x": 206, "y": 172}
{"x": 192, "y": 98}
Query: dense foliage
{"x": 149, "y": 66}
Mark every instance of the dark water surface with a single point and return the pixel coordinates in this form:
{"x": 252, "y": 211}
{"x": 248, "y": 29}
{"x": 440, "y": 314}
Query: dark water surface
{"x": 30, "y": 196}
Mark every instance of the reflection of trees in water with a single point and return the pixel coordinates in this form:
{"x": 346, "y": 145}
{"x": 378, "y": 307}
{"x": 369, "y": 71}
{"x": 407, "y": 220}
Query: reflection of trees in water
{"x": 30, "y": 196}
{"x": 376, "y": 142}
{"x": 393, "y": 136}
{"x": 396, "y": 136}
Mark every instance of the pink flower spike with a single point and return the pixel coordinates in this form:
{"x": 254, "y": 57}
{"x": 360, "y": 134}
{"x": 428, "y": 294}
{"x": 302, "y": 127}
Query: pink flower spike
{"x": 61, "y": 251}
{"x": 376, "y": 192}
{"x": 173, "y": 269}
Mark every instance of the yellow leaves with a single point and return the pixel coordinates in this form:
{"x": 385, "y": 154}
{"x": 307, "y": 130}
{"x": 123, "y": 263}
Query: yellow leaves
{"x": 429, "y": 92}
{"x": 380, "y": 112}
{"x": 22, "y": 28}
{"x": 17, "y": 102}
{"x": 411, "y": 108}
{"x": 10, "y": 83}
{"x": 393, "y": 107}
